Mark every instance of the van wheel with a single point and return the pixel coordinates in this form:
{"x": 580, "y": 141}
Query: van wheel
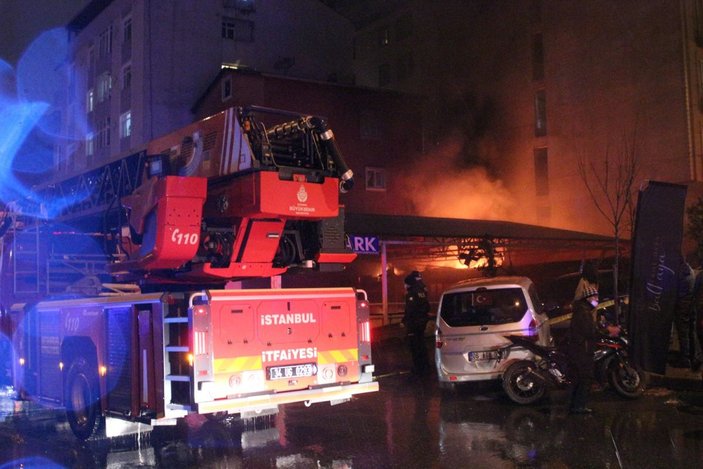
{"x": 521, "y": 385}
{"x": 82, "y": 398}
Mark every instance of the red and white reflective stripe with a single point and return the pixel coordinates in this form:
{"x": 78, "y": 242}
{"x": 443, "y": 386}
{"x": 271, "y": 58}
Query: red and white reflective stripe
{"x": 200, "y": 343}
{"x": 365, "y": 332}
{"x": 228, "y": 142}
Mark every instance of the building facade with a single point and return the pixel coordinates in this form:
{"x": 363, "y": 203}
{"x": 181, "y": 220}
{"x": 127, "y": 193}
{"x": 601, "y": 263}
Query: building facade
{"x": 138, "y": 67}
{"x": 535, "y": 89}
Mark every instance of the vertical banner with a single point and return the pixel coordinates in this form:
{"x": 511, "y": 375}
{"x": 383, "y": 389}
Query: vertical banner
{"x": 656, "y": 255}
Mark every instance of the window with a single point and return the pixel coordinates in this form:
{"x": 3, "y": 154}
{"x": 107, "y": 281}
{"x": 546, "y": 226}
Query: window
{"x": 540, "y": 114}
{"x": 243, "y": 6}
{"x": 370, "y": 125}
{"x": 237, "y": 29}
{"x": 104, "y": 86}
{"x": 698, "y": 22}
{"x": 127, "y": 77}
{"x": 104, "y": 134}
{"x": 126, "y": 124}
{"x": 375, "y": 179}
{"x": 483, "y": 307}
{"x": 127, "y": 30}
{"x": 537, "y": 57}
{"x": 384, "y": 37}
{"x": 226, "y": 88}
{"x": 105, "y": 42}
{"x": 90, "y": 100}
{"x": 90, "y": 144}
{"x": 384, "y": 75}
{"x": 541, "y": 171}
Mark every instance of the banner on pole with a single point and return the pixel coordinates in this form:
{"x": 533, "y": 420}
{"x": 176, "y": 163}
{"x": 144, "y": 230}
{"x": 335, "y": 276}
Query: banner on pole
{"x": 656, "y": 260}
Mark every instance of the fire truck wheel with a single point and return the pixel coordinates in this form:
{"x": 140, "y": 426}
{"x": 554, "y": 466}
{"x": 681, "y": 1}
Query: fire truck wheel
{"x": 83, "y": 398}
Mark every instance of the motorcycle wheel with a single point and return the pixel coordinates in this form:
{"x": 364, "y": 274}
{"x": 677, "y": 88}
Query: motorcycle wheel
{"x": 627, "y": 380}
{"x": 521, "y": 386}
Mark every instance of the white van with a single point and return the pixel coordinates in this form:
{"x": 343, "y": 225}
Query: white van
{"x": 472, "y": 321}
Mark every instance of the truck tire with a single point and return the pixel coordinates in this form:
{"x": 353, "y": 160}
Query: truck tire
{"x": 521, "y": 386}
{"x": 82, "y": 398}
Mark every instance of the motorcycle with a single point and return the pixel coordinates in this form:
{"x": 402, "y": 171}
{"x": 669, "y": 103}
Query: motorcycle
{"x": 526, "y": 381}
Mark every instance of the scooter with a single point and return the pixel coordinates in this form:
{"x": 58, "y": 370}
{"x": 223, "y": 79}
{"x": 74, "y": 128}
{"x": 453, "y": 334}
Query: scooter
{"x": 526, "y": 381}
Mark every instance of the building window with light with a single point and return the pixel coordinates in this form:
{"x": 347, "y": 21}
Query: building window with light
{"x": 540, "y": 114}
{"x": 375, "y": 179}
{"x": 384, "y": 37}
{"x": 541, "y": 172}
{"x": 90, "y": 100}
{"x": 126, "y": 124}
{"x": 237, "y": 29}
{"x": 90, "y": 144}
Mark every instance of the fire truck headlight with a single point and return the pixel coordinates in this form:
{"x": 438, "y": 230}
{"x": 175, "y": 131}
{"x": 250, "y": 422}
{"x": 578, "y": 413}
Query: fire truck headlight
{"x": 342, "y": 370}
{"x": 103, "y": 370}
{"x": 21, "y": 360}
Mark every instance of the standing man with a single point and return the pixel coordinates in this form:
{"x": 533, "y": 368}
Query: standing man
{"x": 583, "y": 333}
{"x": 417, "y": 307}
{"x": 685, "y": 319}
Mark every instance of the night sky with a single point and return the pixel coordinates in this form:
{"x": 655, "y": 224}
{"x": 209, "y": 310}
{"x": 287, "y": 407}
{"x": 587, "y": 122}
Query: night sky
{"x": 22, "y": 21}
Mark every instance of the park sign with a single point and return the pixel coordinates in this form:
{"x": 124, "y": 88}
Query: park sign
{"x": 363, "y": 244}
{"x": 656, "y": 262}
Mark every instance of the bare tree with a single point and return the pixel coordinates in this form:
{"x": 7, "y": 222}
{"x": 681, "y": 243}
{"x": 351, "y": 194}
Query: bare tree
{"x": 610, "y": 186}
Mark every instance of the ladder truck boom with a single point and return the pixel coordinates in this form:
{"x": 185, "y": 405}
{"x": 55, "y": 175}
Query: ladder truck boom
{"x": 119, "y": 304}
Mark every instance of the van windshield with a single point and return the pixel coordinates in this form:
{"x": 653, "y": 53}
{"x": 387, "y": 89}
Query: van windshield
{"x": 483, "y": 307}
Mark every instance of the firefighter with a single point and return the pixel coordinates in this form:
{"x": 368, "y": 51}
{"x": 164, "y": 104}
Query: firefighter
{"x": 417, "y": 308}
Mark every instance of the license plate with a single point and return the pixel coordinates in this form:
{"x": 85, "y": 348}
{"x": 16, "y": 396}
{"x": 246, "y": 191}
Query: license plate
{"x": 303, "y": 370}
{"x": 489, "y": 355}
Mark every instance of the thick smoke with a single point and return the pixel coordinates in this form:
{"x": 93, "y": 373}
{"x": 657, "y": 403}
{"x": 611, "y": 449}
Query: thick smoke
{"x": 439, "y": 185}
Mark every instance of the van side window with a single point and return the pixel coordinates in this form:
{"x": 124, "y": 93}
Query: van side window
{"x": 483, "y": 307}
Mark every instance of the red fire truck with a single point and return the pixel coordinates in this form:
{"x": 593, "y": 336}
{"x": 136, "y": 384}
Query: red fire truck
{"x": 123, "y": 288}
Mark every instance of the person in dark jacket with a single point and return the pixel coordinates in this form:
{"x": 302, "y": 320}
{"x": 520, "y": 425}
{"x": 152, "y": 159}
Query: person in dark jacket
{"x": 685, "y": 319}
{"x": 417, "y": 308}
{"x": 583, "y": 332}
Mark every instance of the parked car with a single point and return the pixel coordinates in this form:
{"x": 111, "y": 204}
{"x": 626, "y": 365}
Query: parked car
{"x": 472, "y": 321}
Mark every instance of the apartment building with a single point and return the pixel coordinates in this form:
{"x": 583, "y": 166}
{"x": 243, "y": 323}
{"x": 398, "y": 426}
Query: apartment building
{"x": 533, "y": 88}
{"x": 138, "y": 67}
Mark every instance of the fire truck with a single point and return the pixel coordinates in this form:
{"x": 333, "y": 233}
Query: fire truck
{"x": 125, "y": 289}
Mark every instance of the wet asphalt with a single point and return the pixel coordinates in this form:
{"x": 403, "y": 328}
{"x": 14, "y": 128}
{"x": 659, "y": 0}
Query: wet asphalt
{"x": 408, "y": 423}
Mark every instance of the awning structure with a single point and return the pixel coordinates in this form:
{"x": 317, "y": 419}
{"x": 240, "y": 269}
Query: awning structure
{"x": 450, "y": 237}
{"x": 399, "y": 225}
{"x": 415, "y": 242}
